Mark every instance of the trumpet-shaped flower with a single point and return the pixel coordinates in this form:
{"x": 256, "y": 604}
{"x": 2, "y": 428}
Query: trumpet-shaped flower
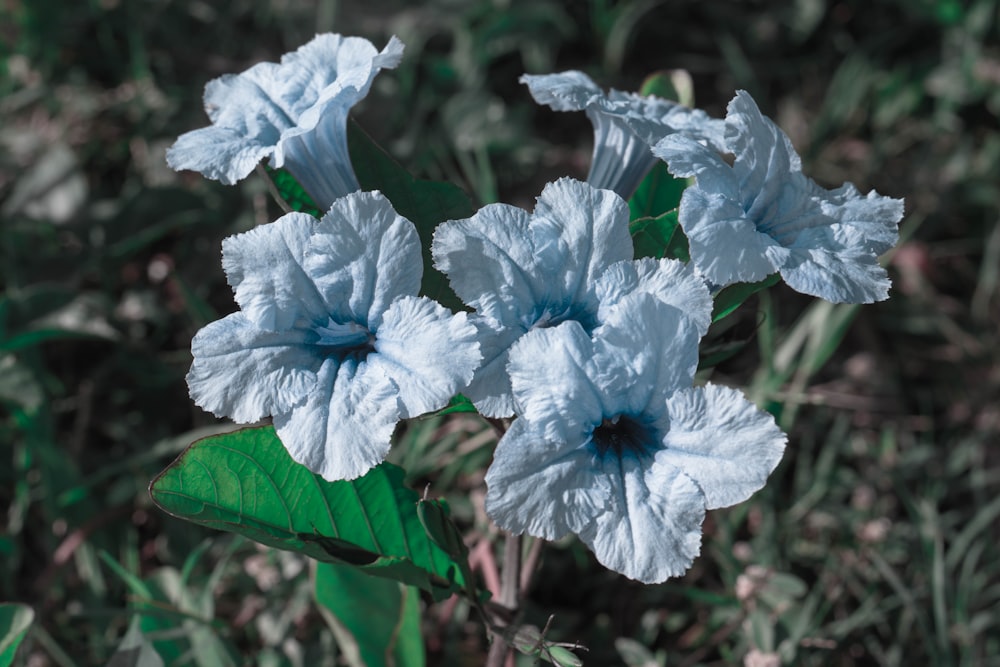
{"x": 613, "y": 444}
{"x": 763, "y": 215}
{"x": 626, "y": 125}
{"x": 331, "y": 339}
{"x": 294, "y": 112}
{"x": 568, "y": 260}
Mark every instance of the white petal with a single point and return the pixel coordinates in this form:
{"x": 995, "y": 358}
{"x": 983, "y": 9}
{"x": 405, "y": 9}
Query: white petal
{"x": 652, "y": 529}
{"x": 490, "y": 389}
{"x": 220, "y": 153}
{"x": 644, "y": 350}
{"x": 621, "y": 158}
{"x": 553, "y": 378}
{"x": 669, "y": 281}
{"x": 566, "y": 91}
{"x": 685, "y": 157}
{"x": 264, "y": 266}
{"x": 246, "y": 373}
{"x": 345, "y": 426}
{"x": 544, "y": 485}
{"x": 521, "y": 269}
{"x": 428, "y": 353}
{"x": 725, "y": 246}
{"x": 849, "y": 275}
{"x": 362, "y": 257}
{"x": 721, "y": 441}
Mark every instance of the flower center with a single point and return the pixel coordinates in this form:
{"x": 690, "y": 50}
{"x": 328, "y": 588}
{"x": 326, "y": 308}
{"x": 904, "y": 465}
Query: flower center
{"x": 345, "y": 339}
{"x": 622, "y": 435}
{"x": 554, "y": 315}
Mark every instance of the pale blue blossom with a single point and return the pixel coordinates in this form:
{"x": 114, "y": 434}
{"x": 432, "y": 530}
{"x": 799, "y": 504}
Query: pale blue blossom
{"x": 626, "y": 125}
{"x": 571, "y": 259}
{"x": 331, "y": 339}
{"x": 615, "y": 445}
{"x": 763, "y": 215}
{"x": 294, "y": 112}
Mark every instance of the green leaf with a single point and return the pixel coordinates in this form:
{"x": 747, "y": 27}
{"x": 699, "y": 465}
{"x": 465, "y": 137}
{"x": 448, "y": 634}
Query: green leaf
{"x": 375, "y": 621}
{"x": 733, "y": 296}
{"x": 674, "y": 84}
{"x": 458, "y": 403}
{"x": 658, "y": 193}
{"x": 435, "y": 517}
{"x": 135, "y": 650}
{"x": 245, "y": 482}
{"x": 293, "y": 193}
{"x": 659, "y": 237}
{"x": 425, "y": 203}
{"x": 15, "y": 619}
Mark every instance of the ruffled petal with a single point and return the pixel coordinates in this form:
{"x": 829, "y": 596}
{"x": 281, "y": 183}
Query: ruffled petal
{"x": 875, "y": 217}
{"x": 566, "y": 91}
{"x": 722, "y": 441}
{"x": 522, "y": 269}
{"x": 669, "y": 281}
{"x": 344, "y": 427}
{"x": 264, "y": 266}
{"x": 490, "y": 389}
{"x": 429, "y": 353}
{"x": 652, "y": 528}
{"x": 725, "y": 246}
{"x": 652, "y": 118}
{"x": 685, "y": 157}
{"x": 362, "y": 257}
{"x": 553, "y": 376}
{"x": 644, "y": 350}
{"x": 219, "y": 153}
{"x": 246, "y": 373}
{"x": 848, "y": 275}
{"x": 544, "y": 484}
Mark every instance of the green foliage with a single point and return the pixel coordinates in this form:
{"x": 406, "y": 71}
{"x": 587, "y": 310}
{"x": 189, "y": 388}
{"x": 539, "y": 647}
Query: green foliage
{"x": 376, "y": 621}
{"x": 659, "y": 237}
{"x": 15, "y": 621}
{"x": 246, "y": 482}
{"x": 732, "y": 297}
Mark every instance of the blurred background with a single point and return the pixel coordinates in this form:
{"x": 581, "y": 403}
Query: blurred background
{"x": 877, "y": 540}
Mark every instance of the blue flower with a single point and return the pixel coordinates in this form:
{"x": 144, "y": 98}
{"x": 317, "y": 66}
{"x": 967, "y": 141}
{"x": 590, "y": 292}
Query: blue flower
{"x": 294, "y": 112}
{"x": 615, "y": 445}
{"x": 626, "y": 125}
{"x": 568, "y": 260}
{"x": 331, "y": 340}
{"x": 763, "y": 215}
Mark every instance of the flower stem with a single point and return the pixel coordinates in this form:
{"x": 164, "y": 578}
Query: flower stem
{"x": 509, "y": 598}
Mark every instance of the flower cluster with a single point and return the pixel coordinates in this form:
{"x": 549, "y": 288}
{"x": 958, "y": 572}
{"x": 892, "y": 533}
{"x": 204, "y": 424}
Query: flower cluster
{"x": 592, "y": 351}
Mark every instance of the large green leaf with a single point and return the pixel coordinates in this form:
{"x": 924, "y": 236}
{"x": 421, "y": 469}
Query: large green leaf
{"x": 376, "y": 621}
{"x": 245, "y": 482}
{"x": 15, "y": 619}
{"x": 425, "y": 203}
{"x": 659, "y": 237}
